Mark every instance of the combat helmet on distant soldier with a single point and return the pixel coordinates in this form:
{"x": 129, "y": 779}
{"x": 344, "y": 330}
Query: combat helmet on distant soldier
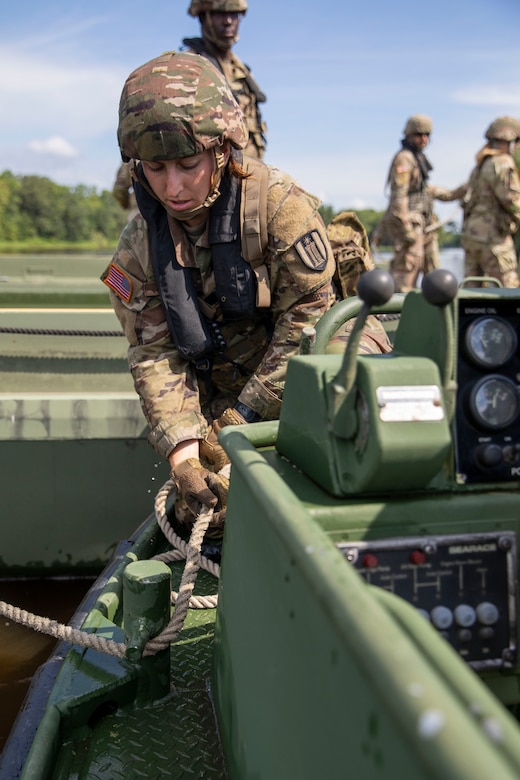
{"x": 198, "y": 7}
{"x": 418, "y": 123}
{"x": 200, "y": 112}
{"x": 504, "y": 128}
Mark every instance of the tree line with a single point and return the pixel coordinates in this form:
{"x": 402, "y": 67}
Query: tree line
{"x": 36, "y": 211}
{"x": 34, "y": 208}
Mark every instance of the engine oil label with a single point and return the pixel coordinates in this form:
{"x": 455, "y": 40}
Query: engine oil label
{"x": 409, "y": 403}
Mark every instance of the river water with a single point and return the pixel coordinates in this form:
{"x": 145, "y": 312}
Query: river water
{"x": 23, "y": 650}
{"x": 451, "y": 259}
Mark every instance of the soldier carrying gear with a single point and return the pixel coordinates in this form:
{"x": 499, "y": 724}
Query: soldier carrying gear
{"x": 216, "y": 277}
{"x": 491, "y": 204}
{"x": 219, "y": 20}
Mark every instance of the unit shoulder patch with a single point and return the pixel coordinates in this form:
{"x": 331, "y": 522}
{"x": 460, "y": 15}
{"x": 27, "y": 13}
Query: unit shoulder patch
{"x": 312, "y": 250}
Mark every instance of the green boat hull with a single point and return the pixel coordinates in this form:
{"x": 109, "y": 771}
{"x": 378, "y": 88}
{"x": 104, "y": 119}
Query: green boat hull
{"x": 318, "y": 660}
{"x": 77, "y": 472}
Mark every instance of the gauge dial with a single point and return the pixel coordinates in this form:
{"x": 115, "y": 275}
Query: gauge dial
{"x": 495, "y": 402}
{"x": 490, "y": 341}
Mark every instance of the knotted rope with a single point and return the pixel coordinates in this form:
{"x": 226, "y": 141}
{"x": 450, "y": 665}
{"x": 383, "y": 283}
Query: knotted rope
{"x": 194, "y": 561}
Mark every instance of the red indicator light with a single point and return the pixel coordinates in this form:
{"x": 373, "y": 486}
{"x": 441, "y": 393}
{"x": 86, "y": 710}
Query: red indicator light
{"x": 370, "y": 561}
{"x": 417, "y": 557}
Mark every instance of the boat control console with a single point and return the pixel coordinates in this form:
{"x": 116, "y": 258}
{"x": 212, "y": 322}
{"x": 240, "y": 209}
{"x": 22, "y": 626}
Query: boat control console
{"x": 430, "y": 433}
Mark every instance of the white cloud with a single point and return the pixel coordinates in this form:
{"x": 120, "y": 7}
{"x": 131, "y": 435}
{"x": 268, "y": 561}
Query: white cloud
{"x": 59, "y": 97}
{"x": 488, "y": 96}
{"x": 55, "y": 146}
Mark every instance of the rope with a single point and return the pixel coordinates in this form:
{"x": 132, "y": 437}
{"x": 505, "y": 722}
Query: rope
{"x": 183, "y": 599}
{"x": 59, "y": 631}
{"x": 57, "y": 332}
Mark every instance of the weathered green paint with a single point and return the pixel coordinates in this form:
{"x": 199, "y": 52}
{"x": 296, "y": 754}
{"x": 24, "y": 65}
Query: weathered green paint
{"x": 146, "y": 604}
{"x": 314, "y": 672}
{"x": 77, "y": 470}
{"x": 362, "y": 693}
{"x": 53, "y": 280}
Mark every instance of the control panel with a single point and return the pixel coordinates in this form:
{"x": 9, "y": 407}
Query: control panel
{"x": 487, "y": 432}
{"x": 464, "y": 585}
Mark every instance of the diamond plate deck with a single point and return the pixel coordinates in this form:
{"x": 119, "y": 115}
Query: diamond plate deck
{"x": 174, "y": 738}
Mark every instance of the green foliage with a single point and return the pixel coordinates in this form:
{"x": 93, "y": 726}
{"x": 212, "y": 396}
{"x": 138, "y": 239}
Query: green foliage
{"x": 327, "y": 213}
{"x": 34, "y": 210}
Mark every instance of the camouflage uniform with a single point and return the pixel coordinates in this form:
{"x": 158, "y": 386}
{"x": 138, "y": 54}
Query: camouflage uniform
{"x": 245, "y": 89}
{"x": 491, "y": 205}
{"x": 410, "y": 212}
{"x": 175, "y": 106}
{"x": 258, "y": 349}
{"x": 123, "y": 190}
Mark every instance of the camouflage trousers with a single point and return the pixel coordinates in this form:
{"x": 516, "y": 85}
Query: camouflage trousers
{"x": 410, "y": 260}
{"x": 498, "y": 261}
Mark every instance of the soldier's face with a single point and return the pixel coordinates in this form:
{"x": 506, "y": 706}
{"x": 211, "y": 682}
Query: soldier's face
{"x": 421, "y": 140}
{"x": 225, "y": 26}
{"x": 182, "y": 185}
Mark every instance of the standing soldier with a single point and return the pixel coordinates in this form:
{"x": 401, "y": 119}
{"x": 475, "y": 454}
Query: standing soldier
{"x": 491, "y": 204}
{"x": 409, "y": 213}
{"x": 219, "y": 21}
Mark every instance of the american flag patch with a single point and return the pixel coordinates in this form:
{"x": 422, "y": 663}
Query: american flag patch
{"x": 119, "y": 282}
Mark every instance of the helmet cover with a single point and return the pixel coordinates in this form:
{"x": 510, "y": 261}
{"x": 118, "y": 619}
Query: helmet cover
{"x": 504, "y": 128}
{"x": 177, "y": 105}
{"x": 198, "y": 7}
{"x": 418, "y": 123}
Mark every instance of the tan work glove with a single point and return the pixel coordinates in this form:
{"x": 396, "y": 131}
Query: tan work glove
{"x": 210, "y": 449}
{"x": 201, "y": 488}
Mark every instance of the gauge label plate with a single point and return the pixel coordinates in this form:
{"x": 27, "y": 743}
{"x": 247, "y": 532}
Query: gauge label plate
{"x": 409, "y": 403}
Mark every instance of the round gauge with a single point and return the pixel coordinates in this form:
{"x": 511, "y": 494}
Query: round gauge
{"x": 494, "y": 401}
{"x": 490, "y": 341}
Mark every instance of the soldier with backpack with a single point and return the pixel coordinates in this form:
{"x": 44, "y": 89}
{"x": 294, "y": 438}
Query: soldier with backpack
{"x": 216, "y": 277}
{"x": 219, "y": 25}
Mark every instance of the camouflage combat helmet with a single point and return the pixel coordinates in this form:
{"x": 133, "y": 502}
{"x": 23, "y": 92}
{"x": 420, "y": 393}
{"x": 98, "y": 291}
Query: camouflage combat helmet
{"x": 198, "y": 7}
{"x": 175, "y": 106}
{"x": 418, "y": 123}
{"x": 505, "y": 128}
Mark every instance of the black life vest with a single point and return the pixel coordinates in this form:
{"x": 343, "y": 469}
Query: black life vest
{"x": 235, "y": 280}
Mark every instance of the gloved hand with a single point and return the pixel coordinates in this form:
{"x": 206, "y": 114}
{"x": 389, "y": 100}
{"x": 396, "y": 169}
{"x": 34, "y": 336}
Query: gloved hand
{"x": 201, "y": 488}
{"x": 210, "y": 449}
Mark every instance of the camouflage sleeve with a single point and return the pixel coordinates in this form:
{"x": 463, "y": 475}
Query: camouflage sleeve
{"x": 122, "y": 185}
{"x": 301, "y": 270}
{"x": 163, "y": 380}
{"x": 444, "y": 194}
{"x": 400, "y": 177}
{"x": 507, "y": 187}
{"x": 374, "y": 338}
{"x": 263, "y": 391}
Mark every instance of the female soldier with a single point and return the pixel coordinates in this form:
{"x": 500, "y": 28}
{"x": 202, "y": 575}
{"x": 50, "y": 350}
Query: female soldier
{"x": 215, "y": 279}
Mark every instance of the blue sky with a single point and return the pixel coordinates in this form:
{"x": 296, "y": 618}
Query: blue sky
{"x": 340, "y": 77}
